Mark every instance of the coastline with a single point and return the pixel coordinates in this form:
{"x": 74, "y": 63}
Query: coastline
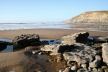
{"x": 47, "y": 33}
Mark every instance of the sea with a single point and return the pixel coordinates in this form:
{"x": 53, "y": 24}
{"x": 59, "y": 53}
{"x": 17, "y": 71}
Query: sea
{"x": 15, "y": 26}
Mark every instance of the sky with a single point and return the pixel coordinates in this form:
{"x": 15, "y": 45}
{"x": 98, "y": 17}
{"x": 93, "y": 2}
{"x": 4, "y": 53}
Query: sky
{"x": 46, "y": 10}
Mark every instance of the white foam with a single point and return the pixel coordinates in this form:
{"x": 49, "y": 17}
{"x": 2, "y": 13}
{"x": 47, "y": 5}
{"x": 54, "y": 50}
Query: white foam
{"x": 32, "y": 26}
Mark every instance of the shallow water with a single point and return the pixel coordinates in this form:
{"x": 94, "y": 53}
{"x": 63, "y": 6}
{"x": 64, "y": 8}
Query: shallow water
{"x": 9, "y": 48}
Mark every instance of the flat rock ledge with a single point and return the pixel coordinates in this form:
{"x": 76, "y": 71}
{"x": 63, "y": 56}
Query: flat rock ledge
{"x": 79, "y": 56}
{"x": 105, "y": 52}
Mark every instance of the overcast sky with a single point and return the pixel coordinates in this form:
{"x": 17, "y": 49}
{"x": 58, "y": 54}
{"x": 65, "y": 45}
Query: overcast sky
{"x": 46, "y": 10}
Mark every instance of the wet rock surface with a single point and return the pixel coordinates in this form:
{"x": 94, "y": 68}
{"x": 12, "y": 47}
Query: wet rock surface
{"x": 79, "y": 54}
{"x": 26, "y": 40}
{"x": 74, "y": 54}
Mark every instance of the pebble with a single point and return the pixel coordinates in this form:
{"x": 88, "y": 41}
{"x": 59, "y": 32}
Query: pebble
{"x": 74, "y": 68}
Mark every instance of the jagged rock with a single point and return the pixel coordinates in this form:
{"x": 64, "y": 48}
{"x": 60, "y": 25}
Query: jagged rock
{"x": 81, "y": 37}
{"x": 95, "y": 70}
{"x": 105, "y": 52}
{"x": 100, "y": 70}
{"x": 81, "y": 70}
{"x": 51, "y": 48}
{"x": 83, "y": 54}
{"x": 26, "y": 40}
{"x": 57, "y": 48}
{"x": 96, "y": 62}
{"x": 100, "y": 39}
{"x": 84, "y": 66}
{"x": 67, "y": 69}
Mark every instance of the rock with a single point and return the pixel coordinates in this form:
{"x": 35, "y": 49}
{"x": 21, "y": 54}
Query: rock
{"x": 81, "y": 70}
{"x": 96, "y": 62}
{"x": 105, "y": 70}
{"x": 105, "y": 52}
{"x": 100, "y": 70}
{"x": 74, "y": 68}
{"x": 90, "y": 17}
{"x": 100, "y": 39}
{"x": 80, "y": 37}
{"x": 95, "y": 70}
{"x": 84, "y": 66}
{"x": 58, "y": 48}
{"x": 51, "y": 48}
{"x": 104, "y": 67}
{"x": 67, "y": 69}
{"x": 26, "y": 40}
{"x": 3, "y": 44}
{"x": 45, "y": 42}
{"x": 61, "y": 70}
{"x": 82, "y": 54}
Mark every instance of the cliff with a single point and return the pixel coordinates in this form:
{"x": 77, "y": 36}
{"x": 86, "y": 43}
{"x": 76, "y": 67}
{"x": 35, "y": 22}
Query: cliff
{"x": 93, "y": 17}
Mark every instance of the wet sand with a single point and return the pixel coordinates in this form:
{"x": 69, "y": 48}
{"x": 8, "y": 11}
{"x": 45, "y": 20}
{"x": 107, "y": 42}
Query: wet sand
{"x": 21, "y": 62}
{"x": 18, "y": 61}
{"x": 48, "y": 33}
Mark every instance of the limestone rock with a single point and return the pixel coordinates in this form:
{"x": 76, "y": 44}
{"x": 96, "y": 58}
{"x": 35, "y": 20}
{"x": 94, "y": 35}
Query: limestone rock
{"x": 105, "y": 52}
{"x": 96, "y": 62}
{"x": 83, "y": 54}
{"x": 92, "y": 17}
{"x": 80, "y": 37}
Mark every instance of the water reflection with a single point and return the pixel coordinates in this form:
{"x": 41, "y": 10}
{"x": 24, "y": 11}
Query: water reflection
{"x": 9, "y": 48}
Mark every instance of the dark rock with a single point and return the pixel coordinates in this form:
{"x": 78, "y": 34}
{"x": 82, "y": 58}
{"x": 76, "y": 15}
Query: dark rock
{"x": 45, "y": 42}
{"x": 4, "y": 44}
{"x": 26, "y": 40}
{"x": 81, "y": 37}
{"x": 100, "y": 39}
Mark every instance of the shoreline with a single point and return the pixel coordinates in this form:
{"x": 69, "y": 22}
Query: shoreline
{"x": 47, "y": 33}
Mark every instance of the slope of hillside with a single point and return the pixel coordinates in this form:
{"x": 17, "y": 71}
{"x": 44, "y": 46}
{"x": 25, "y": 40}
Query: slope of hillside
{"x": 93, "y": 17}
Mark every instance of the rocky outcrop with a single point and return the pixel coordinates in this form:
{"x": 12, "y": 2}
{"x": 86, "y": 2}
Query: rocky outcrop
{"x": 93, "y": 17}
{"x": 58, "y": 48}
{"x": 82, "y": 55}
{"x": 79, "y": 55}
{"x": 81, "y": 37}
{"x": 105, "y": 52}
{"x": 26, "y": 40}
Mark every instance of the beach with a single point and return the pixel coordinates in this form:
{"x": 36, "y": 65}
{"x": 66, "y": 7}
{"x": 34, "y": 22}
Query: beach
{"x": 18, "y": 61}
{"x": 47, "y": 33}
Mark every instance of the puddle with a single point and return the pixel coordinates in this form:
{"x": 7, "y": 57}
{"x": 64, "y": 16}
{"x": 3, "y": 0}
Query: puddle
{"x": 9, "y": 48}
{"x": 6, "y": 40}
{"x": 51, "y": 41}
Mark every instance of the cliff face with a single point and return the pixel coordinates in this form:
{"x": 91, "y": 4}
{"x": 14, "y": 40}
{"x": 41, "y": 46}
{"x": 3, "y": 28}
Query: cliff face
{"x": 94, "y": 17}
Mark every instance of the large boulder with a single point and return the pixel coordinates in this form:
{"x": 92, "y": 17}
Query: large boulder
{"x": 82, "y": 54}
{"x": 105, "y": 52}
{"x": 26, "y": 40}
{"x": 81, "y": 37}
